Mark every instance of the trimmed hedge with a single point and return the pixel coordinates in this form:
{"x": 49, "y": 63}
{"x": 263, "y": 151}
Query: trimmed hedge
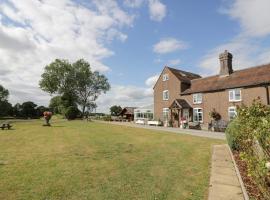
{"x": 249, "y": 133}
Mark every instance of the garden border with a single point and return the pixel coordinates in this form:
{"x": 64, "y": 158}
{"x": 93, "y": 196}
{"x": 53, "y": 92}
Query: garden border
{"x": 243, "y": 188}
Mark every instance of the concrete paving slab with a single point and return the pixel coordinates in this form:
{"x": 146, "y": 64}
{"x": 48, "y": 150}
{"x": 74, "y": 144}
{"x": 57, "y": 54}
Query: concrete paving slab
{"x": 224, "y": 183}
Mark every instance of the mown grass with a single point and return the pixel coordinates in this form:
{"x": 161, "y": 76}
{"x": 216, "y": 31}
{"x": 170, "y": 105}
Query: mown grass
{"x": 85, "y": 160}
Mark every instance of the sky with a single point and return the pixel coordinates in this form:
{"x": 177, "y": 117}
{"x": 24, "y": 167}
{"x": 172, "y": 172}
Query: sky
{"x": 130, "y": 41}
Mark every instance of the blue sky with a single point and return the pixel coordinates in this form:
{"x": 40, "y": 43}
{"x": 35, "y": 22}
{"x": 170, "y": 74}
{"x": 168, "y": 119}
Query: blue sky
{"x": 129, "y": 40}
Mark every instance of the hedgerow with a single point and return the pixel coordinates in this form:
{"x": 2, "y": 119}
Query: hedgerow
{"x": 249, "y": 133}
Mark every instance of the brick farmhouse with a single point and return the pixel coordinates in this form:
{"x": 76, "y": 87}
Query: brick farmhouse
{"x": 182, "y": 95}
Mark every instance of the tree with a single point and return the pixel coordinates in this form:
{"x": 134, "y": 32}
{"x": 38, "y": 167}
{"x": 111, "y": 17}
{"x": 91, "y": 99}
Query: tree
{"x": 58, "y": 77}
{"x": 40, "y": 110}
{"x": 115, "y": 110}
{"x": 56, "y": 105}
{"x": 5, "y": 109}
{"x": 89, "y": 85}
{"x": 5, "y": 106}
{"x": 28, "y": 110}
{"x": 76, "y": 83}
{"x": 4, "y": 93}
{"x": 17, "y": 109}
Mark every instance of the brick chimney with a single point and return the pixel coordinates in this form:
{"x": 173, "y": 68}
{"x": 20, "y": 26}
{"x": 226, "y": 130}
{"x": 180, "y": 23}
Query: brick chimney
{"x": 225, "y": 63}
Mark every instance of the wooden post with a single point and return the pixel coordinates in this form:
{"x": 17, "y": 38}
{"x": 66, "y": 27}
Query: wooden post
{"x": 179, "y": 117}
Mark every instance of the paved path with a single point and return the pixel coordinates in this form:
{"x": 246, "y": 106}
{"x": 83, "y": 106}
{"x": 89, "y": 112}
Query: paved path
{"x": 200, "y": 133}
{"x": 224, "y": 183}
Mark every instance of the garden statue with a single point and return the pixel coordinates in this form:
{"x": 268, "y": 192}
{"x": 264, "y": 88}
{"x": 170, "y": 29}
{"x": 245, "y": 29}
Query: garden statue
{"x": 47, "y": 116}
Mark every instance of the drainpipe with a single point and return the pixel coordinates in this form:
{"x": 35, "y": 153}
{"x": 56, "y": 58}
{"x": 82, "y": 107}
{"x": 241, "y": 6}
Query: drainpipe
{"x": 267, "y": 95}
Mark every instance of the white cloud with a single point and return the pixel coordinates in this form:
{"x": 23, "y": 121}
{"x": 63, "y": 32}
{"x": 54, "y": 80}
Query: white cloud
{"x": 151, "y": 81}
{"x": 133, "y": 3}
{"x": 125, "y": 96}
{"x": 157, "y": 10}
{"x": 168, "y": 45}
{"x": 128, "y": 95}
{"x": 253, "y": 16}
{"x": 34, "y": 33}
{"x": 174, "y": 62}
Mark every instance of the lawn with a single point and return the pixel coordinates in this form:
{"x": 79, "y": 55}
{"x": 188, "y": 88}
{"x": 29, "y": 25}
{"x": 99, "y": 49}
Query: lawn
{"x": 80, "y": 160}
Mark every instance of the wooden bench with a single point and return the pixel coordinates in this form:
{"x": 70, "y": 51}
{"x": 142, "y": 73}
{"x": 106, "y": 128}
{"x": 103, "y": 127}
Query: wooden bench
{"x": 5, "y": 125}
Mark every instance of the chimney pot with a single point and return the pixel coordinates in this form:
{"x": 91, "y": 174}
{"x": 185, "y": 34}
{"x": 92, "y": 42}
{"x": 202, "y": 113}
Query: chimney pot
{"x": 225, "y": 63}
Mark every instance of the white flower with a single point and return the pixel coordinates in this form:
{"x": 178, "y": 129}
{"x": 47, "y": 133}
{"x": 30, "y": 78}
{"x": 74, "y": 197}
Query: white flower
{"x": 267, "y": 165}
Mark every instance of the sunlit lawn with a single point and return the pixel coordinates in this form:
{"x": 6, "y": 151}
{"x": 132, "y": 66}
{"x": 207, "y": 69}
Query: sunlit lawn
{"x": 84, "y": 160}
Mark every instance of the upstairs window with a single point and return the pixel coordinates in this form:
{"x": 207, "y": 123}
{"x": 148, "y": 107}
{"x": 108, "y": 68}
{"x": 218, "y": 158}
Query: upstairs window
{"x": 165, "y": 77}
{"x": 235, "y": 95}
{"x": 166, "y": 95}
{"x": 232, "y": 112}
{"x": 197, "y": 98}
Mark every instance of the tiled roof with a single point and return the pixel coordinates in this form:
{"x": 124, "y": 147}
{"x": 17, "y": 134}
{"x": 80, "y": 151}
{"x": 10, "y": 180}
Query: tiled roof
{"x": 128, "y": 111}
{"x": 183, "y": 75}
{"x": 181, "y": 103}
{"x": 242, "y": 78}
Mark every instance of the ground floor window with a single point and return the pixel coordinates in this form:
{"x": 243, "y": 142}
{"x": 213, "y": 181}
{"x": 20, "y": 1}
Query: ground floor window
{"x": 232, "y": 112}
{"x": 197, "y": 115}
{"x": 166, "y": 113}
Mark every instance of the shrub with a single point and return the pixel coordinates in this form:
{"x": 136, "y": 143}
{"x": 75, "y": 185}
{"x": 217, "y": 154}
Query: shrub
{"x": 232, "y": 134}
{"x": 72, "y": 112}
{"x": 249, "y": 133}
{"x": 215, "y": 115}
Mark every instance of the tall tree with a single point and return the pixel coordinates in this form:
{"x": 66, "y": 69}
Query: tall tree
{"x": 28, "y": 109}
{"x": 56, "y": 105}
{"x": 4, "y": 93}
{"x": 89, "y": 85}
{"x": 115, "y": 110}
{"x": 76, "y": 83}
{"x": 5, "y": 106}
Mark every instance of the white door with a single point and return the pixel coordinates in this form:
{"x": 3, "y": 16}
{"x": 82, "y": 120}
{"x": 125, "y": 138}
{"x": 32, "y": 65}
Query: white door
{"x": 186, "y": 114}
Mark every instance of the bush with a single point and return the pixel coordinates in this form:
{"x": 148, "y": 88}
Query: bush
{"x": 249, "y": 133}
{"x": 72, "y": 112}
{"x": 232, "y": 134}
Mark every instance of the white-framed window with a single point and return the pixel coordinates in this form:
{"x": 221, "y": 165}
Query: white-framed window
{"x": 166, "y": 95}
{"x": 197, "y": 114}
{"x": 197, "y": 98}
{"x": 166, "y": 113}
{"x": 165, "y": 77}
{"x": 235, "y": 95}
{"x": 232, "y": 112}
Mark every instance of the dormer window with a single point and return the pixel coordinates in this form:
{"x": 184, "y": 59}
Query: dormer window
{"x": 235, "y": 95}
{"x": 197, "y": 98}
{"x": 166, "y": 95}
{"x": 165, "y": 77}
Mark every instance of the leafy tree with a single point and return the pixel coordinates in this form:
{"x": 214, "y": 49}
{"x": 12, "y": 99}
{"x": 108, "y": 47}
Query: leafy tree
{"x": 115, "y": 110}
{"x": 40, "y": 110}
{"x": 58, "y": 77}
{"x": 4, "y": 93}
{"x": 5, "y": 106}
{"x": 72, "y": 112}
{"x": 28, "y": 109}
{"x": 76, "y": 83}
{"x": 89, "y": 85}
{"x": 17, "y": 108}
{"x": 5, "y": 109}
{"x": 56, "y": 105}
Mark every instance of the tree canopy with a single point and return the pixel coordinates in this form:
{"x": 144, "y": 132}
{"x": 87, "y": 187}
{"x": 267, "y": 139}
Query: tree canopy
{"x": 75, "y": 83}
{"x": 115, "y": 110}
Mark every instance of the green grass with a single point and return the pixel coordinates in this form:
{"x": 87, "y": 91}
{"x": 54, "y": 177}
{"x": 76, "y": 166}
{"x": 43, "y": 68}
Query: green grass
{"x": 83, "y": 160}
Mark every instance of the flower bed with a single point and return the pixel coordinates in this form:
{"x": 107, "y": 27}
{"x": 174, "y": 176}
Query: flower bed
{"x": 249, "y": 136}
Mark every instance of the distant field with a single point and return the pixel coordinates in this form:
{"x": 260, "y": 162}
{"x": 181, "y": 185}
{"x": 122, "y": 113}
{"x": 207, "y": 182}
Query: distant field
{"x": 80, "y": 160}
